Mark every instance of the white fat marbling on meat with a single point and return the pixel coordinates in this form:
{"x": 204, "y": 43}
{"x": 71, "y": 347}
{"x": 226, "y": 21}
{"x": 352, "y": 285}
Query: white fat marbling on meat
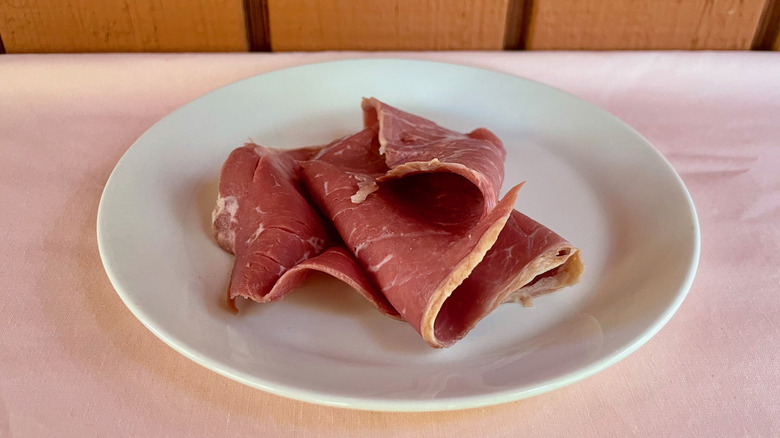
{"x": 225, "y": 205}
{"x": 360, "y": 247}
{"x": 385, "y": 234}
{"x": 303, "y": 258}
{"x": 342, "y": 211}
{"x": 256, "y": 234}
{"x": 317, "y": 243}
{"x": 508, "y": 251}
{"x": 394, "y": 282}
{"x": 366, "y": 186}
{"x": 377, "y": 266}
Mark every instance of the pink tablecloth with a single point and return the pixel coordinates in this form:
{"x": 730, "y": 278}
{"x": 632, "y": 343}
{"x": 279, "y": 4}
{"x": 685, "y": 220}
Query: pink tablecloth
{"x": 75, "y": 362}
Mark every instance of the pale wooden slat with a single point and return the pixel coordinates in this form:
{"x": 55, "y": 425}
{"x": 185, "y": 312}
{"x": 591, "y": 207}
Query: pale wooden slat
{"x": 387, "y": 24}
{"x": 646, "y": 24}
{"x": 124, "y": 25}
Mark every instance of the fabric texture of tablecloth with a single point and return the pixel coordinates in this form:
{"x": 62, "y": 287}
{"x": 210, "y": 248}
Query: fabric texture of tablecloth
{"x": 75, "y": 362}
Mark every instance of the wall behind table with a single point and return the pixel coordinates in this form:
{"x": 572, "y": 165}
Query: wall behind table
{"x": 279, "y": 25}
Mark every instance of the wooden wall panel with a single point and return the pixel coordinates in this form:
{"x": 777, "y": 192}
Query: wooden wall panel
{"x": 386, "y": 24}
{"x": 122, "y": 25}
{"x": 645, "y": 24}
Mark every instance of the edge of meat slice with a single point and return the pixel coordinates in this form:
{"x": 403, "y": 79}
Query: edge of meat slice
{"x": 462, "y": 271}
{"x": 531, "y": 260}
{"x": 235, "y": 177}
{"x": 339, "y": 263}
{"x": 558, "y": 265}
{"x": 412, "y": 144}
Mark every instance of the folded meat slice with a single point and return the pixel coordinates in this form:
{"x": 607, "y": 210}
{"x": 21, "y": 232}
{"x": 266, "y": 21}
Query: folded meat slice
{"x": 337, "y": 262}
{"x": 440, "y": 253}
{"x": 234, "y": 182}
{"x": 543, "y": 261}
{"x": 421, "y": 230}
{"x": 263, "y": 218}
{"x": 412, "y": 144}
{"x": 237, "y": 182}
{"x": 527, "y": 260}
{"x": 419, "y": 236}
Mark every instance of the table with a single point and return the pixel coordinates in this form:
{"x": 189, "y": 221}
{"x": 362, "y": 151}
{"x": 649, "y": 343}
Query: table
{"x": 75, "y": 362}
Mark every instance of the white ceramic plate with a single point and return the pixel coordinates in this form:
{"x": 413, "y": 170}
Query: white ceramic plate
{"x": 589, "y": 177}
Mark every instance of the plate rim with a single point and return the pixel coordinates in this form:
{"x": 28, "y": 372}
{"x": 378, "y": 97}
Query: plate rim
{"x": 402, "y": 405}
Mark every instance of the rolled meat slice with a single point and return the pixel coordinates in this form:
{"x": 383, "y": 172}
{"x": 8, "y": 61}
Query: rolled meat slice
{"x": 412, "y": 144}
{"x": 426, "y": 234}
{"x": 527, "y": 260}
{"x": 419, "y": 236}
{"x": 543, "y": 260}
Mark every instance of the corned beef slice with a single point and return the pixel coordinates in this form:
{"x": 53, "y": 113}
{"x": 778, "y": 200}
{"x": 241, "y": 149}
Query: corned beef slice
{"x": 341, "y": 264}
{"x": 412, "y": 144}
{"x": 272, "y": 227}
{"x": 418, "y": 241}
{"x": 424, "y": 231}
{"x": 527, "y": 260}
{"x": 263, "y": 218}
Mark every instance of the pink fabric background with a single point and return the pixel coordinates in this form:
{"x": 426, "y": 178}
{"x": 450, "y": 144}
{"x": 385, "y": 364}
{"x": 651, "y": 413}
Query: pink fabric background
{"x": 75, "y": 362}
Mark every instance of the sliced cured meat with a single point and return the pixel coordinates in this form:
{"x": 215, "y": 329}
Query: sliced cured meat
{"x": 339, "y": 263}
{"x": 264, "y": 219}
{"x": 237, "y": 177}
{"x": 418, "y": 241}
{"x": 527, "y": 260}
{"x": 420, "y": 229}
{"x": 234, "y": 182}
{"x": 543, "y": 260}
{"x": 412, "y": 144}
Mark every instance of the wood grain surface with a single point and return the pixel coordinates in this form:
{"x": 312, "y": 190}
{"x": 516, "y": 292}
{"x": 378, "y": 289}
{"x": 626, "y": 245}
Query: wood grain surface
{"x": 648, "y": 24}
{"x": 123, "y": 25}
{"x": 29, "y": 26}
{"x": 387, "y": 24}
